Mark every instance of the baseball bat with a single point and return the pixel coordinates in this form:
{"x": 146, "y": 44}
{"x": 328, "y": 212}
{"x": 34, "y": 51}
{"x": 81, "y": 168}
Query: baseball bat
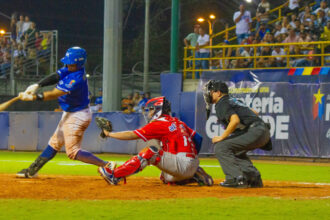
{"x": 5, "y": 105}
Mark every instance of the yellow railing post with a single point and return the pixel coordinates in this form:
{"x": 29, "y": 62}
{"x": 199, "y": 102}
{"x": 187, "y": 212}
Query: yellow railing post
{"x": 193, "y": 64}
{"x": 185, "y": 63}
{"x": 254, "y": 57}
{"x": 322, "y": 54}
{"x": 226, "y": 33}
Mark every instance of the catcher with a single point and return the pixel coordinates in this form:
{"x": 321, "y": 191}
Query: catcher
{"x": 177, "y": 158}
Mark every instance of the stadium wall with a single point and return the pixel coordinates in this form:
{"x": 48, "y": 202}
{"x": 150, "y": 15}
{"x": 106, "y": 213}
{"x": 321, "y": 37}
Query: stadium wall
{"x": 30, "y": 131}
{"x": 296, "y": 102}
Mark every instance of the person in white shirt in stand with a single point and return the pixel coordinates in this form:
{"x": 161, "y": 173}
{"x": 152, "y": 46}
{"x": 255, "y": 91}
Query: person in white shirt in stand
{"x": 26, "y": 25}
{"x": 293, "y": 6}
{"x": 201, "y": 52}
{"x": 243, "y": 21}
{"x": 278, "y": 61}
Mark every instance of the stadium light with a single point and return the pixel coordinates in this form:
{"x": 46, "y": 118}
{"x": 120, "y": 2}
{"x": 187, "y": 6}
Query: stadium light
{"x": 248, "y": 1}
{"x": 212, "y": 16}
{"x": 200, "y": 20}
{"x": 2, "y": 31}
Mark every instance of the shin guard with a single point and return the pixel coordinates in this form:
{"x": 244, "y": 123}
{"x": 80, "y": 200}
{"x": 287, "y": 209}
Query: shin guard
{"x": 138, "y": 163}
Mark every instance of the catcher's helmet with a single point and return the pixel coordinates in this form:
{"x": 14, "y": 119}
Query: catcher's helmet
{"x": 75, "y": 55}
{"x": 161, "y": 106}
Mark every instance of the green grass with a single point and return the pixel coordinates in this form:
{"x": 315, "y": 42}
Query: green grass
{"x": 207, "y": 208}
{"x": 11, "y": 162}
{"x": 202, "y": 208}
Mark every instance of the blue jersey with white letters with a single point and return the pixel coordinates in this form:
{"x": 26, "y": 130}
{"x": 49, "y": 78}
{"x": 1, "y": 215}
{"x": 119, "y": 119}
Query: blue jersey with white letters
{"x": 75, "y": 84}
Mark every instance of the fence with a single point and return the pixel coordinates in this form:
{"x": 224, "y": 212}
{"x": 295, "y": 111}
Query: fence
{"x": 31, "y": 57}
{"x": 313, "y": 54}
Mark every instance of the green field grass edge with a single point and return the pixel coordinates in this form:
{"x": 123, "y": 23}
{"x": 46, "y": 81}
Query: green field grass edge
{"x": 206, "y": 208}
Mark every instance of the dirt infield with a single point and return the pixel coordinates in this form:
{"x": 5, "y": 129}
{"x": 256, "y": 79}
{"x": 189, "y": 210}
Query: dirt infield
{"x": 142, "y": 188}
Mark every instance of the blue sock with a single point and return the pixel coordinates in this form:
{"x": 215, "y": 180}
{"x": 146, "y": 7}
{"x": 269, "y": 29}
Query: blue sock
{"x": 48, "y": 153}
{"x": 87, "y": 157}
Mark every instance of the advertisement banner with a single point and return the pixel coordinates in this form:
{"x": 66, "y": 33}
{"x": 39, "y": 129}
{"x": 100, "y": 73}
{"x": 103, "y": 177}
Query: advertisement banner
{"x": 299, "y": 114}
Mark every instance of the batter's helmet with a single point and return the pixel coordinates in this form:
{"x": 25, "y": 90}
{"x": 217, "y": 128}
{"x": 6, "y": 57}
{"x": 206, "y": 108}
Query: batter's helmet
{"x": 75, "y": 55}
{"x": 161, "y": 106}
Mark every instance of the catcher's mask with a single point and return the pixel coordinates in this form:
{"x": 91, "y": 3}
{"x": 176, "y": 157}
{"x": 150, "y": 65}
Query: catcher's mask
{"x": 156, "y": 107}
{"x": 212, "y": 85}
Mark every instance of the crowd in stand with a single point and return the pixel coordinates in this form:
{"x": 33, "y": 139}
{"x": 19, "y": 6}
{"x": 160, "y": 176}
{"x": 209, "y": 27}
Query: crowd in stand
{"x": 307, "y": 25}
{"x": 129, "y": 104}
{"x": 135, "y": 102}
{"x": 25, "y": 43}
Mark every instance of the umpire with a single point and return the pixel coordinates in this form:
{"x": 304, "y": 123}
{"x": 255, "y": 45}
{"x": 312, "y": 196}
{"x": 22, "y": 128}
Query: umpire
{"x": 244, "y": 131}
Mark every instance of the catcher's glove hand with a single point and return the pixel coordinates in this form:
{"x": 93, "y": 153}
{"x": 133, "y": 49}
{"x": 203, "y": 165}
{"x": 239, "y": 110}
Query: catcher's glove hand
{"x": 104, "y": 124}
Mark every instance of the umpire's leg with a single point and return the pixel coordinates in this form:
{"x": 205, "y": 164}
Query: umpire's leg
{"x": 225, "y": 150}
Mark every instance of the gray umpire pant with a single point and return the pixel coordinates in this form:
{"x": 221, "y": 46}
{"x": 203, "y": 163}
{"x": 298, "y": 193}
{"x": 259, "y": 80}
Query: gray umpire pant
{"x": 231, "y": 152}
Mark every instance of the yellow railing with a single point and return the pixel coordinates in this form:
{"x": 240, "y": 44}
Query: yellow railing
{"x": 190, "y": 61}
{"x": 230, "y": 31}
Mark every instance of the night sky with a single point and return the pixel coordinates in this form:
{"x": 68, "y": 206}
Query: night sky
{"x": 79, "y": 22}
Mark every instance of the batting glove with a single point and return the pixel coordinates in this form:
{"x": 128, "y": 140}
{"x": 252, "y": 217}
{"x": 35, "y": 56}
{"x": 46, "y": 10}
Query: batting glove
{"x": 32, "y": 89}
{"x": 25, "y": 97}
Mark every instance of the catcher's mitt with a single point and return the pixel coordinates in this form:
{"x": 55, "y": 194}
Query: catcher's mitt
{"x": 104, "y": 124}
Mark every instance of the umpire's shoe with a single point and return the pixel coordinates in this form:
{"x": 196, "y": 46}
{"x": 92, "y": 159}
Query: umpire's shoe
{"x": 26, "y": 174}
{"x": 202, "y": 178}
{"x": 107, "y": 173}
{"x": 255, "y": 182}
{"x": 238, "y": 182}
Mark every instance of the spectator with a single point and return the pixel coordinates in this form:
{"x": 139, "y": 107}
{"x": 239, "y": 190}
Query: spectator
{"x": 242, "y": 19}
{"x": 278, "y": 61}
{"x": 277, "y": 30}
{"x": 19, "y": 27}
{"x": 293, "y": 6}
{"x": 136, "y": 98}
{"x": 262, "y": 13}
{"x": 292, "y": 38}
{"x": 5, "y": 66}
{"x": 13, "y": 29}
{"x": 262, "y": 31}
{"x": 129, "y": 109}
{"x": 125, "y": 102}
{"x": 245, "y": 63}
{"x": 30, "y": 36}
{"x": 191, "y": 40}
{"x": 322, "y": 19}
{"x": 26, "y": 24}
{"x": 293, "y": 20}
{"x": 326, "y": 32}
{"x": 323, "y": 7}
{"x": 19, "y": 56}
{"x": 300, "y": 61}
{"x": 202, "y": 42}
{"x": 142, "y": 102}
{"x": 264, "y": 61}
{"x": 301, "y": 15}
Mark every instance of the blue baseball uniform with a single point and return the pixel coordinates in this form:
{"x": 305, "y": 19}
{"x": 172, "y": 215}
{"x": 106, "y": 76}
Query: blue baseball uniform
{"x": 75, "y": 84}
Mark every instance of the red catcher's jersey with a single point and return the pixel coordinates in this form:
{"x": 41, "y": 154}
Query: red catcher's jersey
{"x": 175, "y": 135}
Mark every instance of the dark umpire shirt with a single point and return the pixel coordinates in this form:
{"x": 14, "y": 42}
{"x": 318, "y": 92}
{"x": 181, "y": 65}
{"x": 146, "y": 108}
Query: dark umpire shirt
{"x": 227, "y": 106}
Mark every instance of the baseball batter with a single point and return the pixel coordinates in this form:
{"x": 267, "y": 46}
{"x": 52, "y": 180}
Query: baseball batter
{"x": 72, "y": 94}
{"x": 177, "y": 158}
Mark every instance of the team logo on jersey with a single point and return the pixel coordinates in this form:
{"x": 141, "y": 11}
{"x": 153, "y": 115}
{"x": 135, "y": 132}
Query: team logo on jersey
{"x": 70, "y": 84}
{"x": 172, "y": 127}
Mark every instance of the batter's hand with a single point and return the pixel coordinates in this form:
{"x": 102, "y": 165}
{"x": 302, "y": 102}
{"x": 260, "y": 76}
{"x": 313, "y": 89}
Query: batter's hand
{"x": 105, "y": 125}
{"x": 25, "y": 97}
{"x": 31, "y": 90}
{"x": 216, "y": 139}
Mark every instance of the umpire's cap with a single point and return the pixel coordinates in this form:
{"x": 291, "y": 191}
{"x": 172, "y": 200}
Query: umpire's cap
{"x": 217, "y": 85}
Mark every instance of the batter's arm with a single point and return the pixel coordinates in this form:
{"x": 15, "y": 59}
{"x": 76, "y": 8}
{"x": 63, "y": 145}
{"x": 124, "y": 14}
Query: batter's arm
{"x": 123, "y": 135}
{"x": 48, "y": 95}
{"x": 234, "y": 121}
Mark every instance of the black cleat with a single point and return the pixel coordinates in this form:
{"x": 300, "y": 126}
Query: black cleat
{"x": 239, "y": 182}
